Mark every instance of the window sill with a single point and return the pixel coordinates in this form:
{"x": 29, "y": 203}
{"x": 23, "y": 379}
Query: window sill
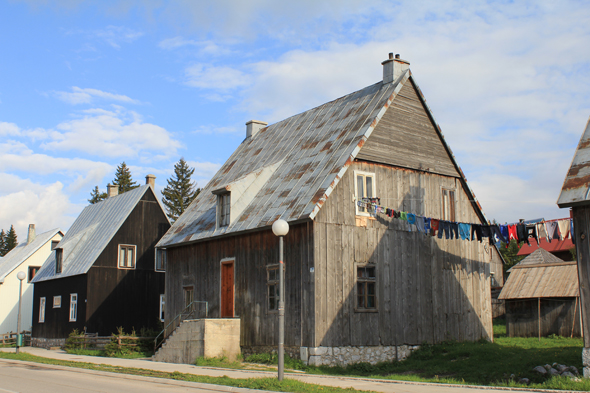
{"x": 363, "y": 310}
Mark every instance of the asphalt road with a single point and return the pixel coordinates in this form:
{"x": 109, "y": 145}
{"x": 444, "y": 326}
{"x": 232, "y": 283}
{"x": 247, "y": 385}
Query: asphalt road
{"x": 25, "y": 377}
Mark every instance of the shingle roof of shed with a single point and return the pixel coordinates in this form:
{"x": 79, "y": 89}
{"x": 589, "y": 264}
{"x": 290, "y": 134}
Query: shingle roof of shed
{"x": 90, "y": 233}
{"x": 576, "y": 187}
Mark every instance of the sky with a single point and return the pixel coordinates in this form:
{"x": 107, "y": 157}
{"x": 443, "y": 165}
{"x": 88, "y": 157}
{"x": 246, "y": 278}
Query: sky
{"x": 86, "y": 85}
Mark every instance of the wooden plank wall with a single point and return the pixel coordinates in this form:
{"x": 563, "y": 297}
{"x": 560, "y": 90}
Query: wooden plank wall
{"x": 582, "y": 236}
{"x": 198, "y": 265}
{"x": 429, "y": 290}
{"x": 560, "y": 316}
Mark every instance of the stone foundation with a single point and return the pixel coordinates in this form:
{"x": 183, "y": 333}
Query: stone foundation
{"x": 48, "y": 342}
{"x": 586, "y": 362}
{"x": 343, "y": 356}
{"x": 293, "y": 352}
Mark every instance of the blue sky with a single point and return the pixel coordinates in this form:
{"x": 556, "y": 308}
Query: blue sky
{"x": 88, "y": 84}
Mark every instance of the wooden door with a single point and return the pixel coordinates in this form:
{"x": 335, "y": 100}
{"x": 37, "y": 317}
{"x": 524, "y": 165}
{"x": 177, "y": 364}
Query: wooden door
{"x": 227, "y": 289}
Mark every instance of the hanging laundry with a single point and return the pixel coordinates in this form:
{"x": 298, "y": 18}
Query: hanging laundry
{"x": 531, "y": 230}
{"x": 420, "y": 224}
{"x": 443, "y": 226}
{"x": 572, "y": 233}
{"x": 464, "y": 231}
{"x": 434, "y": 226}
{"x": 403, "y": 216}
{"x": 476, "y": 230}
{"x": 427, "y": 225}
{"x": 504, "y": 232}
{"x": 512, "y": 233}
{"x": 522, "y": 234}
{"x": 454, "y": 227}
{"x": 564, "y": 228}
{"x": 541, "y": 230}
{"x": 497, "y": 234}
{"x": 485, "y": 232}
{"x": 552, "y": 231}
{"x": 411, "y": 218}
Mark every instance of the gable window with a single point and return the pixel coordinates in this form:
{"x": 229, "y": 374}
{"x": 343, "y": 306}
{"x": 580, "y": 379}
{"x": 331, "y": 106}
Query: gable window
{"x": 448, "y": 204}
{"x": 223, "y": 209}
{"x": 366, "y": 288}
{"x": 126, "y": 256}
{"x": 364, "y": 187}
{"x": 73, "y": 307}
{"x": 273, "y": 287}
{"x": 42, "y": 310}
{"x": 57, "y": 302}
{"x": 58, "y": 260}
{"x": 162, "y": 307}
{"x": 54, "y": 244}
{"x": 32, "y": 272}
{"x": 189, "y": 294}
{"x": 160, "y": 260}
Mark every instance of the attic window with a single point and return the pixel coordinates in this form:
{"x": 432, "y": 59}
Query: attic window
{"x": 126, "y": 256}
{"x": 54, "y": 244}
{"x": 58, "y": 260}
{"x": 448, "y": 204}
{"x": 160, "y": 260}
{"x": 364, "y": 187}
{"x": 223, "y": 209}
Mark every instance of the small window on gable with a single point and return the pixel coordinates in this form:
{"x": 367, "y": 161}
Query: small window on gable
{"x": 160, "y": 260}
{"x": 58, "y": 260}
{"x": 364, "y": 188}
{"x": 57, "y": 302}
{"x": 223, "y": 209}
{"x": 32, "y": 272}
{"x": 41, "y": 310}
{"x": 448, "y": 204}
{"x": 126, "y": 256}
{"x": 273, "y": 287}
{"x": 366, "y": 288}
{"x": 54, "y": 244}
{"x": 189, "y": 295}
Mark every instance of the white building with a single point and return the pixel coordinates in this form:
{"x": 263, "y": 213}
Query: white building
{"x": 27, "y": 257}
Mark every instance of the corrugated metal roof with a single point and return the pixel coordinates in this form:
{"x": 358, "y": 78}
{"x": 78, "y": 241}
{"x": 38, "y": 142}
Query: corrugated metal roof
{"x": 23, "y": 251}
{"x": 541, "y": 274}
{"x": 90, "y": 233}
{"x": 576, "y": 187}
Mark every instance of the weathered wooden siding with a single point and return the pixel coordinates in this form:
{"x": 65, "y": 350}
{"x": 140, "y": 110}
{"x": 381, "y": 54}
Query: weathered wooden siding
{"x": 429, "y": 289}
{"x": 581, "y": 215}
{"x": 560, "y": 316}
{"x": 406, "y": 137}
{"x": 198, "y": 265}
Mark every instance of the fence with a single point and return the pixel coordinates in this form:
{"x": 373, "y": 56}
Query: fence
{"x": 95, "y": 342}
{"x": 10, "y": 338}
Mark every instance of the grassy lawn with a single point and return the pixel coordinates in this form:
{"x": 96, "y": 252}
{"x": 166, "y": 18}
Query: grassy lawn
{"x": 103, "y": 353}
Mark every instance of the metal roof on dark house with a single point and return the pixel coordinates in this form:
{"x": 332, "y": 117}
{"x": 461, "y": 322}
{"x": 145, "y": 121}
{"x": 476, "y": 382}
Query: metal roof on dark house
{"x": 576, "y": 187}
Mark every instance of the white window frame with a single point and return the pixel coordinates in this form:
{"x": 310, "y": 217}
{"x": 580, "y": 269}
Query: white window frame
{"x": 134, "y": 247}
{"x": 73, "y": 307}
{"x": 57, "y": 301}
{"x": 447, "y": 202}
{"x": 42, "y": 302}
{"x": 359, "y": 211}
{"x": 275, "y": 284}
{"x": 223, "y": 220}
{"x": 160, "y": 256}
{"x": 162, "y": 307}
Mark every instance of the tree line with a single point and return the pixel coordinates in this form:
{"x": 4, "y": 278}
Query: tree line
{"x": 8, "y": 241}
{"x": 178, "y": 194}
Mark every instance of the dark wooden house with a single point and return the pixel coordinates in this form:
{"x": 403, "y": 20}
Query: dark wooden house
{"x": 360, "y": 286}
{"x": 541, "y": 297}
{"x": 574, "y": 194}
{"x": 104, "y": 273}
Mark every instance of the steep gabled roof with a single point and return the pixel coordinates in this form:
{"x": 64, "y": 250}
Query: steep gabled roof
{"x": 90, "y": 234}
{"x": 290, "y": 168}
{"x": 23, "y": 251}
{"x": 541, "y": 274}
{"x": 576, "y": 187}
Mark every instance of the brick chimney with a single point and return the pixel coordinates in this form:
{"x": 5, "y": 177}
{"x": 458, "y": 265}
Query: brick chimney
{"x": 151, "y": 180}
{"x": 31, "y": 235}
{"x": 112, "y": 190}
{"x": 253, "y": 126}
{"x": 393, "y": 68}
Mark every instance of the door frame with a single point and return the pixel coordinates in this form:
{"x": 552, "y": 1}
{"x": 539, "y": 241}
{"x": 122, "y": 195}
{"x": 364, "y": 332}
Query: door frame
{"x": 227, "y": 261}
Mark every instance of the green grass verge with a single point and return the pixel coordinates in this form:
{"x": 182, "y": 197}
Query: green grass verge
{"x": 102, "y": 353}
{"x": 287, "y": 385}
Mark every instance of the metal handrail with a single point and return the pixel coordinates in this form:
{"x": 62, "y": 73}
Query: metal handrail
{"x": 184, "y": 314}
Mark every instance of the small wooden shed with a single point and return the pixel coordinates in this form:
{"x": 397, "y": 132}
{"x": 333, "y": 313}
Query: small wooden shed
{"x": 542, "y": 297}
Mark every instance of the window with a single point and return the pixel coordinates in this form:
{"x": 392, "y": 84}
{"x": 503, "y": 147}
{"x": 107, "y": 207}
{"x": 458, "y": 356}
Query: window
{"x": 126, "y": 256}
{"x": 189, "y": 293}
{"x": 54, "y": 244}
{"x": 364, "y": 188}
{"x": 57, "y": 302}
{"x": 73, "y": 307}
{"x": 162, "y": 307}
{"x": 366, "y": 291}
{"x": 448, "y": 204}
{"x": 32, "y": 272}
{"x": 58, "y": 260}
{"x": 160, "y": 260}
{"x": 42, "y": 310}
{"x": 273, "y": 287}
{"x": 223, "y": 209}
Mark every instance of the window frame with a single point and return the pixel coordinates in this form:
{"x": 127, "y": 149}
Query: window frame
{"x": 162, "y": 307}
{"x": 57, "y": 301}
{"x": 59, "y": 254}
{"x": 160, "y": 255}
{"x": 42, "y": 304}
{"x": 223, "y": 209}
{"x": 54, "y": 244}
{"x": 366, "y": 282}
{"x": 127, "y": 247}
{"x": 274, "y": 283}
{"x": 449, "y": 213}
{"x": 186, "y": 289}
{"x": 32, "y": 268}
{"x": 360, "y": 211}
{"x": 73, "y": 307}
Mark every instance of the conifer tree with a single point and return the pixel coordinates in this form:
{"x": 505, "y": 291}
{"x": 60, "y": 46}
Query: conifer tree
{"x": 10, "y": 240}
{"x": 123, "y": 179}
{"x": 180, "y": 191}
{"x": 2, "y": 237}
{"x": 510, "y": 253}
{"x": 97, "y": 196}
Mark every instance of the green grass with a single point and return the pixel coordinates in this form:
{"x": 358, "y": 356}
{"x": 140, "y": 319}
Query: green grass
{"x": 287, "y": 385}
{"x": 102, "y": 353}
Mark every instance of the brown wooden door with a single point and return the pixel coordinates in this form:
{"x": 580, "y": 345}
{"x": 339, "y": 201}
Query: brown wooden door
{"x": 227, "y": 290}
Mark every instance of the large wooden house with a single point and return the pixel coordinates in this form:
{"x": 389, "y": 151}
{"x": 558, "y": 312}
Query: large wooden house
{"x": 105, "y": 273}
{"x": 360, "y": 285}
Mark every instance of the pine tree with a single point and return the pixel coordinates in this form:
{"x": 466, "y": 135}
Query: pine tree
{"x": 180, "y": 191}
{"x": 510, "y": 254}
{"x": 123, "y": 179}
{"x": 2, "y": 237}
{"x": 10, "y": 240}
{"x": 97, "y": 196}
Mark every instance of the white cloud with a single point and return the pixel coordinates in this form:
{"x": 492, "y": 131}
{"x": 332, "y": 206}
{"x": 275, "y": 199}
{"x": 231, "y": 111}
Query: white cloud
{"x": 218, "y": 78}
{"x": 86, "y": 96}
{"x": 207, "y": 47}
{"x": 9, "y": 129}
{"x": 211, "y": 129}
{"x": 116, "y": 35}
{"x": 204, "y": 171}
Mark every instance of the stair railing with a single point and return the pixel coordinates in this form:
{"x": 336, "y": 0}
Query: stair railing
{"x": 185, "y": 314}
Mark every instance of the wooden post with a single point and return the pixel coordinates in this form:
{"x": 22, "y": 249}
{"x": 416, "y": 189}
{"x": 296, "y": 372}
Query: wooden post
{"x": 574, "y": 319}
{"x": 539, "y": 302}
